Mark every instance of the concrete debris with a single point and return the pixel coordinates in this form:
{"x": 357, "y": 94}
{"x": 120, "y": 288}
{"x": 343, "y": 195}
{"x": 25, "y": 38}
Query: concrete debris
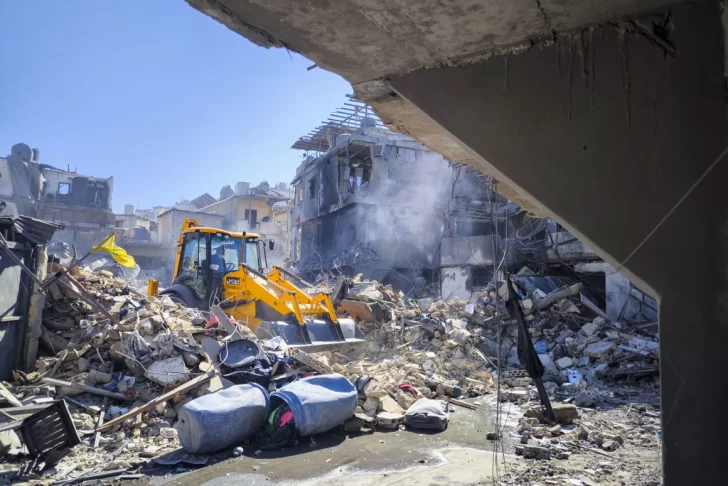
{"x": 168, "y": 371}
{"x": 583, "y": 399}
{"x": 599, "y": 349}
{"x": 155, "y": 357}
{"x": 389, "y": 420}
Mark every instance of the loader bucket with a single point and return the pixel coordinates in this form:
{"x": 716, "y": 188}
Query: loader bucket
{"x": 315, "y": 335}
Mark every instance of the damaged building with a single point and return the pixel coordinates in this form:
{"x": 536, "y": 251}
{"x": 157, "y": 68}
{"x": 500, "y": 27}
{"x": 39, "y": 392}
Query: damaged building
{"x": 82, "y": 204}
{"x": 371, "y": 201}
{"x": 367, "y": 200}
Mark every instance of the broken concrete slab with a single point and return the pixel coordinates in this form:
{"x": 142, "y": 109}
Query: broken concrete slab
{"x": 167, "y": 371}
{"x": 389, "y": 404}
{"x": 599, "y": 349}
{"x": 547, "y": 362}
{"x": 460, "y": 336}
{"x": 583, "y": 399}
{"x": 564, "y": 363}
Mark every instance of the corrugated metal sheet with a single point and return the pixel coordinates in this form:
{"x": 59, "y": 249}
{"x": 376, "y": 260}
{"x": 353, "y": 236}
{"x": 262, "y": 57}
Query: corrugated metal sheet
{"x": 37, "y": 231}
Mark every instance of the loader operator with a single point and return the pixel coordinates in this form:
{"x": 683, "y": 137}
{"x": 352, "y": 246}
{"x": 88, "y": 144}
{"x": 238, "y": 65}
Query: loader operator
{"x": 217, "y": 262}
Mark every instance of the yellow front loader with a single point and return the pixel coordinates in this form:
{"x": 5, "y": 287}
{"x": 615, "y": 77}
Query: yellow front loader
{"x": 215, "y": 266}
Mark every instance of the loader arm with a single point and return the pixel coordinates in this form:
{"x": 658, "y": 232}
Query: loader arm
{"x": 322, "y": 301}
{"x": 310, "y": 331}
{"x": 285, "y": 299}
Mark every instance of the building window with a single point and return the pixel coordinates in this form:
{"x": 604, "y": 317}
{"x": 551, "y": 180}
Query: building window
{"x": 480, "y": 276}
{"x": 312, "y": 189}
{"x": 120, "y": 224}
{"x": 64, "y": 188}
{"x": 255, "y": 216}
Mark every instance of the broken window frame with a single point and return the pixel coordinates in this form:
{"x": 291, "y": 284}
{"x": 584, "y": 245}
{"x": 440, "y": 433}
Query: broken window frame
{"x": 254, "y": 213}
{"x": 480, "y": 277}
{"x": 312, "y": 188}
{"x": 62, "y": 186}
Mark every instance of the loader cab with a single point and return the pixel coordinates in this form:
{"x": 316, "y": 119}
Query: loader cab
{"x": 254, "y": 254}
{"x": 207, "y": 255}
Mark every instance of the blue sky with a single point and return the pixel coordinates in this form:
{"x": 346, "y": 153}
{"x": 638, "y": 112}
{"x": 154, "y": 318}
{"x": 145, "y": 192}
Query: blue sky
{"x": 165, "y": 99}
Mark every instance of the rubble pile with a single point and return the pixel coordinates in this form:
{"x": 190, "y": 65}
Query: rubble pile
{"x": 104, "y": 368}
{"x": 584, "y": 356}
{"x": 126, "y": 364}
{"x": 431, "y": 346}
{"x": 612, "y": 446}
{"x": 451, "y": 349}
{"x": 351, "y": 255}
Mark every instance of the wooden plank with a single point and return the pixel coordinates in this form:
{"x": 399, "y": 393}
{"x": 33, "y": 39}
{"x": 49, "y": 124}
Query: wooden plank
{"x": 9, "y": 397}
{"x": 24, "y": 410}
{"x": 359, "y": 311}
{"x": 6, "y": 415}
{"x": 89, "y": 389}
{"x": 185, "y": 387}
{"x": 463, "y": 404}
{"x": 554, "y": 297}
{"x": 84, "y": 295}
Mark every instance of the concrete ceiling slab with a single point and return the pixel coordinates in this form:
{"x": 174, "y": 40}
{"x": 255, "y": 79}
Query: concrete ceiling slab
{"x": 363, "y": 40}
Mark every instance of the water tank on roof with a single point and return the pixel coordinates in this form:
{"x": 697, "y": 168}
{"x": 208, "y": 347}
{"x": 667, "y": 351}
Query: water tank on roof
{"x": 242, "y": 188}
{"x": 129, "y": 208}
{"x": 226, "y": 192}
{"x": 22, "y": 151}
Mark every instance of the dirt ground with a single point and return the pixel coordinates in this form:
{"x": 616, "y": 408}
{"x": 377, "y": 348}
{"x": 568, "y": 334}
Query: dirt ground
{"x": 461, "y": 455}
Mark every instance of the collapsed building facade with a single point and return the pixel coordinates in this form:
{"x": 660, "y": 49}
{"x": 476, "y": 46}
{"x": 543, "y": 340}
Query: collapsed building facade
{"x": 369, "y": 201}
{"x": 376, "y": 202}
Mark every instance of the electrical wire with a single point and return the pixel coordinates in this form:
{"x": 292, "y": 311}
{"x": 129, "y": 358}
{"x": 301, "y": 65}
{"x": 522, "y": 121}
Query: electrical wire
{"x": 498, "y": 446}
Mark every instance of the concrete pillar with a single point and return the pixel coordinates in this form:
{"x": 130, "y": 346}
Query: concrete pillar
{"x": 608, "y": 131}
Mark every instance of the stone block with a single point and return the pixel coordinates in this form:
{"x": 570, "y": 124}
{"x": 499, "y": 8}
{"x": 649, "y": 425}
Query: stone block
{"x": 599, "y": 349}
{"x": 536, "y": 452}
{"x": 583, "y": 399}
{"x": 564, "y": 362}
{"x": 589, "y": 329}
{"x": 168, "y": 432}
{"x": 565, "y": 413}
{"x": 460, "y": 336}
{"x": 167, "y": 371}
{"x": 547, "y": 362}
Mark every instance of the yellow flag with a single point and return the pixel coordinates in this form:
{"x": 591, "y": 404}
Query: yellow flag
{"x": 118, "y": 253}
